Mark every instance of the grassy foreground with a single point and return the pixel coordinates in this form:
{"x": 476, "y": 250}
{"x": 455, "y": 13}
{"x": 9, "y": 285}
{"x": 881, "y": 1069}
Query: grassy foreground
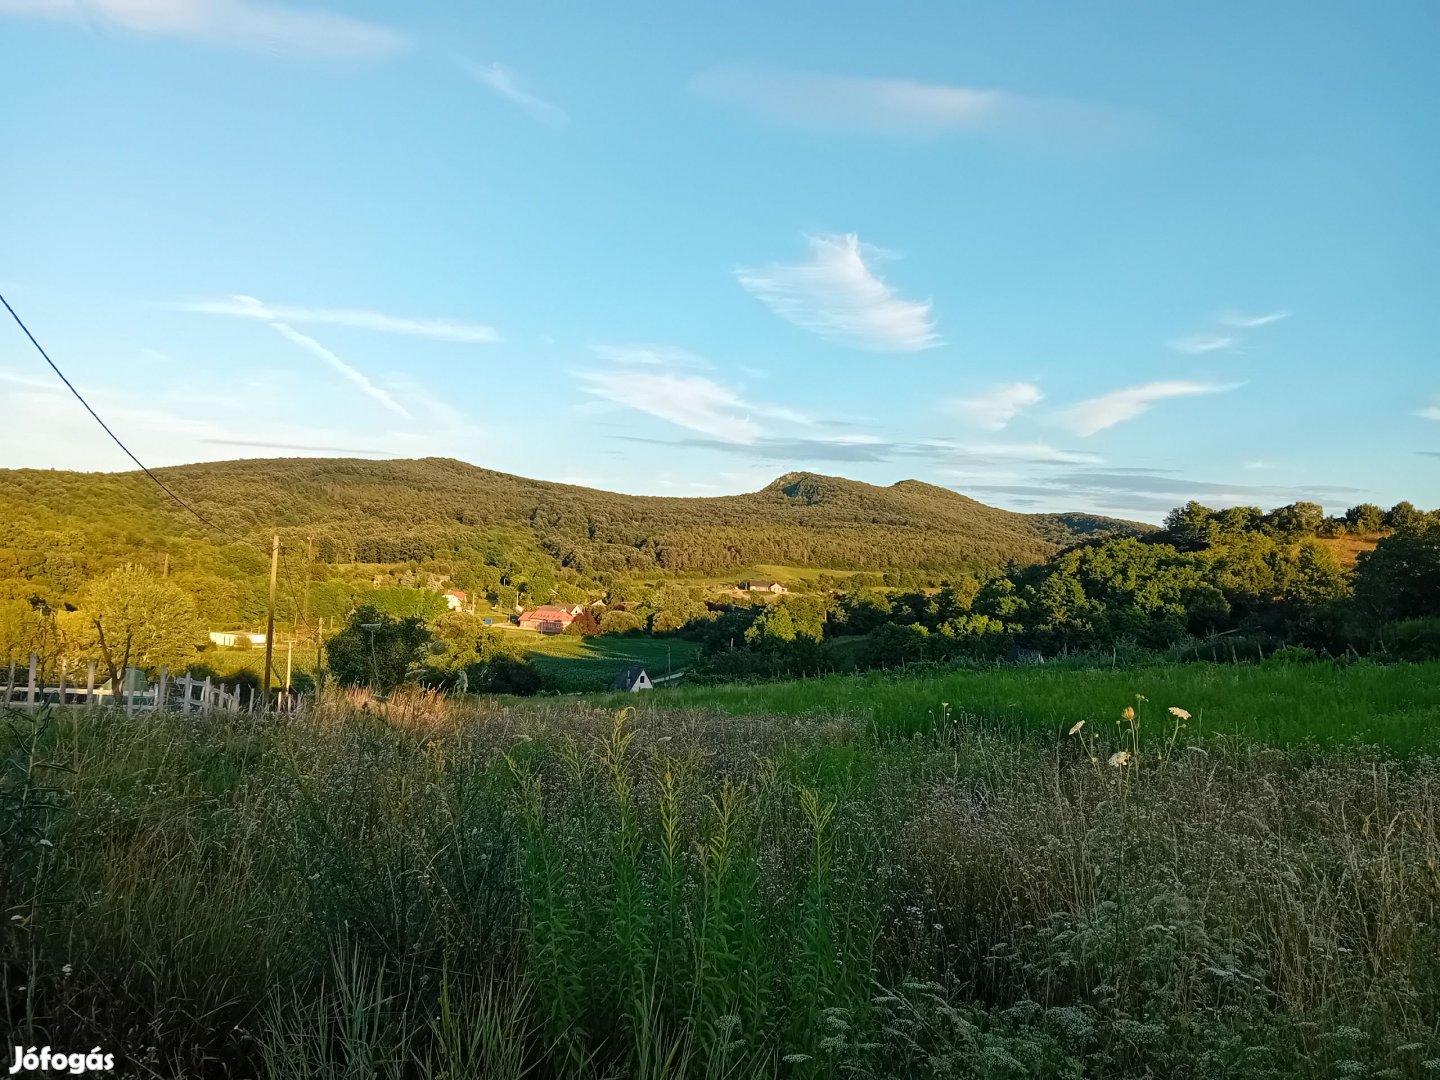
{"x": 556, "y": 891}
{"x": 1394, "y": 705}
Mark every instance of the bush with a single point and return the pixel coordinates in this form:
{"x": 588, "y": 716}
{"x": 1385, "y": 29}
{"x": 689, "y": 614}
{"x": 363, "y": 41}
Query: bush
{"x": 1413, "y": 639}
{"x": 1292, "y": 654}
{"x": 620, "y": 622}
{"x": 514, "y": 677}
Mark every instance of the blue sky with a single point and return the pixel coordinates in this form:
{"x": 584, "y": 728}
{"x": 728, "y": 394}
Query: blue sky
{"x": 1057, "y": 256}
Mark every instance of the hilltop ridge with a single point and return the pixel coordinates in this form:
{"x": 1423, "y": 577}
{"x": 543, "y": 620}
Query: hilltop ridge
{"x": 56, "y": 525}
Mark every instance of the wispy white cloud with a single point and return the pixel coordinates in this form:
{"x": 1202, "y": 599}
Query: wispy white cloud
{"x": 1107, "y": 410}
{"x": 248, "y": 307}
{"x": 903, "y": 107}
{"x": 348, "y": 371}
{"x": 1211, "y": 341}
{"x": 688, "y": 401}
{"x": 837, "y": 296}
{"x": 1256, "y": 465}
{"x": 648, "y": 355}
{"x": 242, "y": 23}
{"x": 1241, "y": 321}
{"x": 1148, "y": 492}
{"x": 304, "y": 448}
{"x": 1431, "y": 411}
{"x": 997, "y": 406}
{"x": 990, "y": 453}
{"x": 1197, "y": 344}
{"x": 39, "y": 386}
{"x": 505, "y": 82}
{"x": 169, "y": 423}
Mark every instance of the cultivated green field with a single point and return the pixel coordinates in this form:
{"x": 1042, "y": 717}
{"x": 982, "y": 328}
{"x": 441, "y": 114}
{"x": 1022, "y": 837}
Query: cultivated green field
{"x": 571, "y": 663}
{"x": 1397, "y": 706}
{"x": 799, "y": 576}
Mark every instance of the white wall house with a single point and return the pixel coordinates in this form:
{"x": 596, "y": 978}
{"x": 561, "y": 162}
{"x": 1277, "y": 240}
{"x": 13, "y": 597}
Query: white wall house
{"x": 228, "y": 639}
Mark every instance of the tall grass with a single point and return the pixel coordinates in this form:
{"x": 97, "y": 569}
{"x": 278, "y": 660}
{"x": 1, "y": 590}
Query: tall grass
{"x": 566, "y": 892}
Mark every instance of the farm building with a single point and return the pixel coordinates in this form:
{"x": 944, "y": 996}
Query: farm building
{"x": 549, "y": 619}
{"x": 228, "y": 639}
{"x": 632, "y": 680}
{"x": 763, "y": 586}
{"x": 456, "y": 600}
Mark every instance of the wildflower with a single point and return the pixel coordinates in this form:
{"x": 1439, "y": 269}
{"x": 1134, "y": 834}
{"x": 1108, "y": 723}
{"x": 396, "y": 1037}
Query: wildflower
{"x": 1078, "y": 725}
{"x": 66, "y": 970}
{"x": 1128, "y": 713}
{"x": 1179, "y": 713}
{"x": 45, "y": 843}
{"x": 1120, "y": 759}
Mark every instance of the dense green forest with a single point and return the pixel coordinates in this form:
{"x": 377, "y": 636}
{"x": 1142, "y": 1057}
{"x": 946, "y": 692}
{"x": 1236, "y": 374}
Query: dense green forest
{"x": 1225, "y": 584}
{"x": 491, "y": 533}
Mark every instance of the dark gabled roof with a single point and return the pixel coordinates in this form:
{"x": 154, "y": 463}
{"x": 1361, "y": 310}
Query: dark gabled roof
{"x": 627, "y": 677}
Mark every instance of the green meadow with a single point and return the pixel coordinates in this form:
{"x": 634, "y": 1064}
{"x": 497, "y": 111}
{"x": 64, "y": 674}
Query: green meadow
{"x": 919, "y": 876}
{"x": 1396, "y": 706}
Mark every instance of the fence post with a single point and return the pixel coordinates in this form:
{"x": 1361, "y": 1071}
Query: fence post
{"x": 235, "y": 699}
{"x": 61, "y": 688}
{"x": 162, "y": 689}
{"x": 10, "y": 683}
{"x": 90, "y": 699}
{"x": 205, "y": 694}
{"x": 129, "y": 694}
{"x": 30, "y": 684}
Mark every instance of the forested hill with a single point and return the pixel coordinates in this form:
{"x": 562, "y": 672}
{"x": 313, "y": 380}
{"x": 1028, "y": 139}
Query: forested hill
{"x": 66, "y": 525}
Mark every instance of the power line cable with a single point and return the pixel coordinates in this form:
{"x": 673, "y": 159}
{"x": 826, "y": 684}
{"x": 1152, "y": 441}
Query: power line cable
{"x": 80, "y": 398}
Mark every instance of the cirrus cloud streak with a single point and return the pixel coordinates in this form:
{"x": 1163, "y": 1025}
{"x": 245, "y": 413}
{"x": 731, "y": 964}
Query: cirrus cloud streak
{"x": 836, "y": 295}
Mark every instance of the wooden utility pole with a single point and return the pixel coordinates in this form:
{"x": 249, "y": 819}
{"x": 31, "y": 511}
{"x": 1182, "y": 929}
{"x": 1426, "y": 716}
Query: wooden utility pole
{"x": 305, "y": 595}
{"x": 270, "y": 618}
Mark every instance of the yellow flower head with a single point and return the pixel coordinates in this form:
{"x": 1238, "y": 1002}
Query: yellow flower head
{"x": 1128, "y": 714}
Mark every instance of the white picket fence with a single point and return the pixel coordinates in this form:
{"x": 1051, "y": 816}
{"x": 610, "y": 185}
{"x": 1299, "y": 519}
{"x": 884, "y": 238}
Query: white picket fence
{"x": 180, "y": 693}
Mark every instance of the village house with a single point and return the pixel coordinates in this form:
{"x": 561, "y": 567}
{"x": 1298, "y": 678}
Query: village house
{"x": 759, "y": 585}
{"x": 229, "y": 639}
{"x": 456, "y": 600}
{"x": 632, "y": 680}
{"x": 548, "y": 619}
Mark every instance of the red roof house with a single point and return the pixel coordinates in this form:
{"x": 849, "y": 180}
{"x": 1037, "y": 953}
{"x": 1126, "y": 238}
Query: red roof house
{"x": 548, "y": 619}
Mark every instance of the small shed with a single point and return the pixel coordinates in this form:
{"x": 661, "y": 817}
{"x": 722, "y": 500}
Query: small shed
{"x": 761, "y": 585}
{"x": 631, "y": 680}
